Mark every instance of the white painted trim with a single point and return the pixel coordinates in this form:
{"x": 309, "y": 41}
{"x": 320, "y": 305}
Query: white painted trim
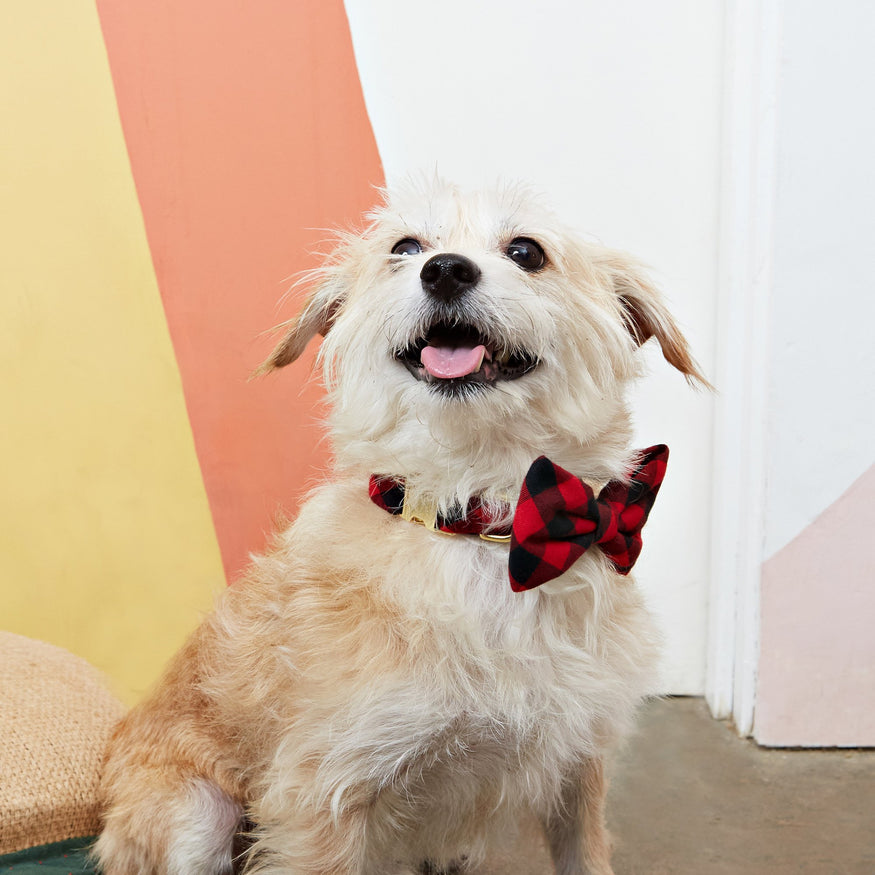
{"x": 747, "y": 195}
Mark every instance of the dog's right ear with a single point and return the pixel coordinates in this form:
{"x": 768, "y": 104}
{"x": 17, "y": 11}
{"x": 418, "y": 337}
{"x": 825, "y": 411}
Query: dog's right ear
{"x": 645, "y": 315}
{"x": 317, "y": 317}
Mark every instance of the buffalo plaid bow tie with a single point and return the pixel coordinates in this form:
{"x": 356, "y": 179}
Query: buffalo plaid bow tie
{"x": 558, "y": 517}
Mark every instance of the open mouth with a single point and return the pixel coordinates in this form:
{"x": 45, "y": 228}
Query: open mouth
{"x": 456, "y": 356}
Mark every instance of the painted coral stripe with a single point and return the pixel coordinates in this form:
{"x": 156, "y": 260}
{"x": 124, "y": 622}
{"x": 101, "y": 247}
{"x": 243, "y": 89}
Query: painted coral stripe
{"x": 107, "y": 546}
{"x": 246, "y": 130}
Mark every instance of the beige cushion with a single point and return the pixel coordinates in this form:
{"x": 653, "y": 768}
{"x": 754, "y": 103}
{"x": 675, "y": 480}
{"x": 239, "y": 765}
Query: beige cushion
{"x": 56, "y": 715}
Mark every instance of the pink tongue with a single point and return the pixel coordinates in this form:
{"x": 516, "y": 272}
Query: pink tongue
{"x": 447, "y": 362}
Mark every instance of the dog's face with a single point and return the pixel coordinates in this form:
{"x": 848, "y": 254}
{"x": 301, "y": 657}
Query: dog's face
{"x": 467, "y": 334}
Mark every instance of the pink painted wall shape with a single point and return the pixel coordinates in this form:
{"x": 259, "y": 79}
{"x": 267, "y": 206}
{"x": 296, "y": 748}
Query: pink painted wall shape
{"x": 817, "y": 662}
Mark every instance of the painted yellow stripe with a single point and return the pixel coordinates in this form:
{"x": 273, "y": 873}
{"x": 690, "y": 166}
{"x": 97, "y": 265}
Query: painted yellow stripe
{"x": 106, "y": 541}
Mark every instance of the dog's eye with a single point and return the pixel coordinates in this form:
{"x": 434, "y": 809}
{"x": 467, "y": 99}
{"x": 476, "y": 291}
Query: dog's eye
{"x": 407, "y": 246}
{"x": 526, "y": 253}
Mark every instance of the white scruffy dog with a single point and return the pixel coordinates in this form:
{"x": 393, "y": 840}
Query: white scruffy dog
{"x": 373, "y": 697}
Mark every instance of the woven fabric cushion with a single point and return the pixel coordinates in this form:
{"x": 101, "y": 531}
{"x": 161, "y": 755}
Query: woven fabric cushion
{"x": 56, "y": 715}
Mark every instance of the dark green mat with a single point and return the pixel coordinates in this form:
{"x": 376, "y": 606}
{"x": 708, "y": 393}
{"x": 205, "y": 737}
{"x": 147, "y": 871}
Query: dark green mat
{"x": 69, "y": 857}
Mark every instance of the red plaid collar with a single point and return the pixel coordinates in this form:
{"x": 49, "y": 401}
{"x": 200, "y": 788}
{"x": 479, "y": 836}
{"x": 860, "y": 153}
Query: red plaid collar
{"x": 389, "y": 493}
{"x": 558, "y": 517}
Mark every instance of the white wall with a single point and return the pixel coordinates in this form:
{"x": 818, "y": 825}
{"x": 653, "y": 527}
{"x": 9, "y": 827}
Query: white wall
{"x": 790, "y": 643}
{"x": 821, "y": 401}
{"x": 816, "y": 662}
{"x": 614, "y": 110}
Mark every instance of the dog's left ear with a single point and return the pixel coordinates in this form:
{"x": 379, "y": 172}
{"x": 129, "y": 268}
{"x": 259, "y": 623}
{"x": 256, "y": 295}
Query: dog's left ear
{"x": 317, "y": 317}
{"x": 646, "y": 316}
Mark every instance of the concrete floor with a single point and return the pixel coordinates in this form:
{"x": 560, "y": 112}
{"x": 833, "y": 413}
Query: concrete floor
{"x": 688, "y": 797}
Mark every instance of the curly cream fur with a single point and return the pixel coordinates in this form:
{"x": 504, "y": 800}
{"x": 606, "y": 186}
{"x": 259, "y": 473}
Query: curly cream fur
{"x": 372, "y": 694}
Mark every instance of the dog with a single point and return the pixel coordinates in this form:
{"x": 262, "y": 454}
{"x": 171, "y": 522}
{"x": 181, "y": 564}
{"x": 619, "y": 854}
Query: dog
{"x": 382, "y": 693}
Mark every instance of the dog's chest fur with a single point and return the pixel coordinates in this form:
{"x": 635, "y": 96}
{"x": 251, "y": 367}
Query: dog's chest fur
{"x": 465, "y": 695}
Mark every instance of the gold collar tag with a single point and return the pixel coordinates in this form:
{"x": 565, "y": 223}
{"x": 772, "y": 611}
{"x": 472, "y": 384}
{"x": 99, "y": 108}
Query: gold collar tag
{"x": 424, "y": 514}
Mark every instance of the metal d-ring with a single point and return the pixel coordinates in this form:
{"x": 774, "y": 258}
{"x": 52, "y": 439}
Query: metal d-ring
{"x": 496, "y": 539}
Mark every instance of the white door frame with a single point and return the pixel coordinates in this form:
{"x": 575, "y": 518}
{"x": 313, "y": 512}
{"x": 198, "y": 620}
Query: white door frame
{"x": 747, "y": 196}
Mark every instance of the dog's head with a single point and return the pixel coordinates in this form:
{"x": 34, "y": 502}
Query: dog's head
{"x": 467, "y": 334}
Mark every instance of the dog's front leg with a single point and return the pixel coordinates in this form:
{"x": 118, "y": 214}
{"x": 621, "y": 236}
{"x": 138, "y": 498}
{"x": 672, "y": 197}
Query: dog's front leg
{"x": 312, "y": 842}
{"x": 576, "y": 832}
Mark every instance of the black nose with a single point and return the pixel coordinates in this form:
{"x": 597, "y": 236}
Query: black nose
{"x": 447, "y": 275}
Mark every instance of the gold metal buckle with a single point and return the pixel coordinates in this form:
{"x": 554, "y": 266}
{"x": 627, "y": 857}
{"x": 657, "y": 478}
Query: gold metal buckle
{"x": 426, "y": 515}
